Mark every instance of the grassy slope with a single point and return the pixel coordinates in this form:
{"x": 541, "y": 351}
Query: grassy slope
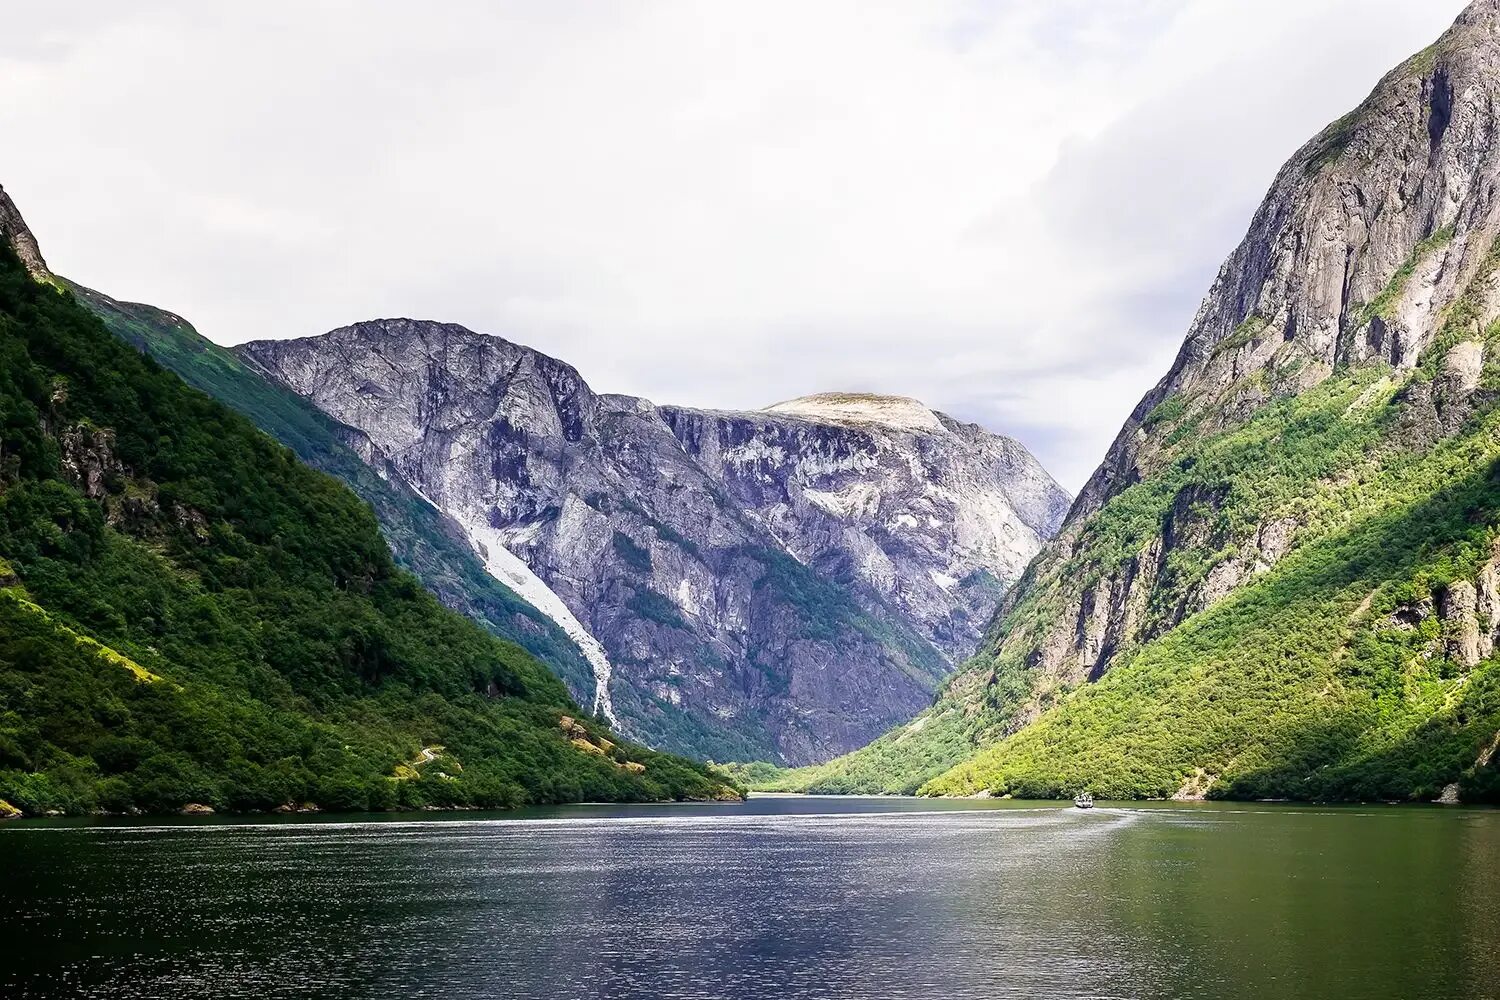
{"x": 417, "y": 534}
{"x": 221, "y": 624}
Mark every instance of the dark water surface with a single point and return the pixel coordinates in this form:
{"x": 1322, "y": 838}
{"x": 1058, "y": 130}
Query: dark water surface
{"x": 781, "y": 897}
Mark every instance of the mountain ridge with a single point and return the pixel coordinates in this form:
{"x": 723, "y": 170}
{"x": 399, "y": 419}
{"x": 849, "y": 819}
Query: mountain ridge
{"x": 676, "y": 534}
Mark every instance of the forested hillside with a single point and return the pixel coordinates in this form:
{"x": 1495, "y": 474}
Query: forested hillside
{"x": 190, "y": 615}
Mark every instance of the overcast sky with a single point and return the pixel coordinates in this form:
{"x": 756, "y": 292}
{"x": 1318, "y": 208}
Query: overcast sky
{"x": 1009, "y": 209}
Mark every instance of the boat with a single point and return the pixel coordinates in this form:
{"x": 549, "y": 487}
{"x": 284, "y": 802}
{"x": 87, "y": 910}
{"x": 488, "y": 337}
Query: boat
{"x": 1083, "y": 800}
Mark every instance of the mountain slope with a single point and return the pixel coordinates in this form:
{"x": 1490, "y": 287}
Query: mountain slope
{"x": 1282, "y": 579}
{"x": 187, "y": 614}
{"x": 422, "y": 540}
{"x": 779, "y": 584}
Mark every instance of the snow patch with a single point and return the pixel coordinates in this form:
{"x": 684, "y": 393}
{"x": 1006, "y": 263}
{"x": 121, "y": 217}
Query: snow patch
{"x": 510, "y": 570}
{"x": 942, "y": 579}
{"x": 860, "y": 499}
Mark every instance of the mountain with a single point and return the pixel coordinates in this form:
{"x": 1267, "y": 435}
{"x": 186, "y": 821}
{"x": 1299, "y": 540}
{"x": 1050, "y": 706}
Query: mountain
{"x": 781, "y": 584}
{"x": 1282, "y": 580}
{"x": 191, "y": 617}
{"x": 423, "y": 541}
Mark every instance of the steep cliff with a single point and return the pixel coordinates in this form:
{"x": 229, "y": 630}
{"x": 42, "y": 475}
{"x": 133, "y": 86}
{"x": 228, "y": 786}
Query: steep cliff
{"x": 783, "y": 584}
{"x": 15, "y": 234}
{"x": 1279, "y": 581}
{"x": 922, "y": 513}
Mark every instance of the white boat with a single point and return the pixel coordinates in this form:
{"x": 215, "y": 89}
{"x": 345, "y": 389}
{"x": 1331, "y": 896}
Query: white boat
{"x": 1083, "y": 800}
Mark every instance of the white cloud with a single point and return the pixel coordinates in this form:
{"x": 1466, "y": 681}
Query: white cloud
{"x": 1008, "y": 209}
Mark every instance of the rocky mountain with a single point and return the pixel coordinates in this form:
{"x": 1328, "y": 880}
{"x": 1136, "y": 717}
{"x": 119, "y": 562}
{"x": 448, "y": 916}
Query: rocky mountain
{"x": 779, "y": 584}
{"x": 423, "y": 541}
{"x": 192, "y": 620}
{"x": 1281, "y": 580}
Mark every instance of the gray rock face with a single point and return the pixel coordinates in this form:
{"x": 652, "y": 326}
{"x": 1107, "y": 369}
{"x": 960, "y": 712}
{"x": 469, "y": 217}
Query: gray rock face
{"x": 13, "y": 230}
{"x": 1367, "y": 234}
{"x": 1366, "y": 239}
{"x": 785, "y": 583}
{"x": 927, "y": 515}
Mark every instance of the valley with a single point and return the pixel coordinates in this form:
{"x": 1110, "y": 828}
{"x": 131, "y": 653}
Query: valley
{"x": 1280, "y": 583}
{"x": 750, "y": 501}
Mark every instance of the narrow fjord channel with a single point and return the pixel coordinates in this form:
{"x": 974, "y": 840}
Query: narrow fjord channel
{"x": 779, "y": 897}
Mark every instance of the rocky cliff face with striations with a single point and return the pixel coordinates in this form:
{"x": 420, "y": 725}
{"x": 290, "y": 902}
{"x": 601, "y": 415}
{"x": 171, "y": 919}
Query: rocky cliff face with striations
{"x": 1369, "y": 236}
{"x": 782, "y": 584}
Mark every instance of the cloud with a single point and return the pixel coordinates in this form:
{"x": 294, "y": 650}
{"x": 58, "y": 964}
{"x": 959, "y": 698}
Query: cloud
{"x": 1007, "y": 209}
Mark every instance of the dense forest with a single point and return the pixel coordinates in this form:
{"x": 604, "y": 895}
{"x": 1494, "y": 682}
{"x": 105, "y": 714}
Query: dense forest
{"x": 1337, "y": 674}
{"x": 189, "y": 615}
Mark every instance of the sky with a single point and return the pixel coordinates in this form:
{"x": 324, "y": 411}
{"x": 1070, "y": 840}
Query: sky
{"x": 1009, "y": 209}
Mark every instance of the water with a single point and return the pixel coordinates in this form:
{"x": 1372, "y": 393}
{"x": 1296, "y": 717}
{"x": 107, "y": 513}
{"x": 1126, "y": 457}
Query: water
{"x": 781, "y": 897}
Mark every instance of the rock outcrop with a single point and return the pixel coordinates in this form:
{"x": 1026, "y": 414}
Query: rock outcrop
{"x": 785, "y": 583}
{"x": 925, "y": 514}
{"x": 13, "y": 230}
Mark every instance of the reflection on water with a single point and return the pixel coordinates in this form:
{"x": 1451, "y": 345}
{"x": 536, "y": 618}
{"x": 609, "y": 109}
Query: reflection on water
{"x": 781, "y": 897}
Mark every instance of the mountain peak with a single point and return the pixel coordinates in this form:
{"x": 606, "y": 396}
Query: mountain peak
{"x": 1366, "y": 236}
{"x": 854, "y": 409}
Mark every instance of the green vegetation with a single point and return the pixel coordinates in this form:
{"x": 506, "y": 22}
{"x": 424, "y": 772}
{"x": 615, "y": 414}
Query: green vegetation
{"x": 1249, "y": 330}
{"x": 654, "y": 607}
{"x": 420, "y": 538}
{"x": 633, "y": 555}
{"x": 1333, "y": 141}
{"x": 1422, "y": 63}
{"x": 1327, "y": 676}
{"x": 1167, "y": 411}
{"x": 904, "y": 759}
{"x": 1300, "y": 685}
{"x": 190, "y": 615}
{"x": 898, "y": 763}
